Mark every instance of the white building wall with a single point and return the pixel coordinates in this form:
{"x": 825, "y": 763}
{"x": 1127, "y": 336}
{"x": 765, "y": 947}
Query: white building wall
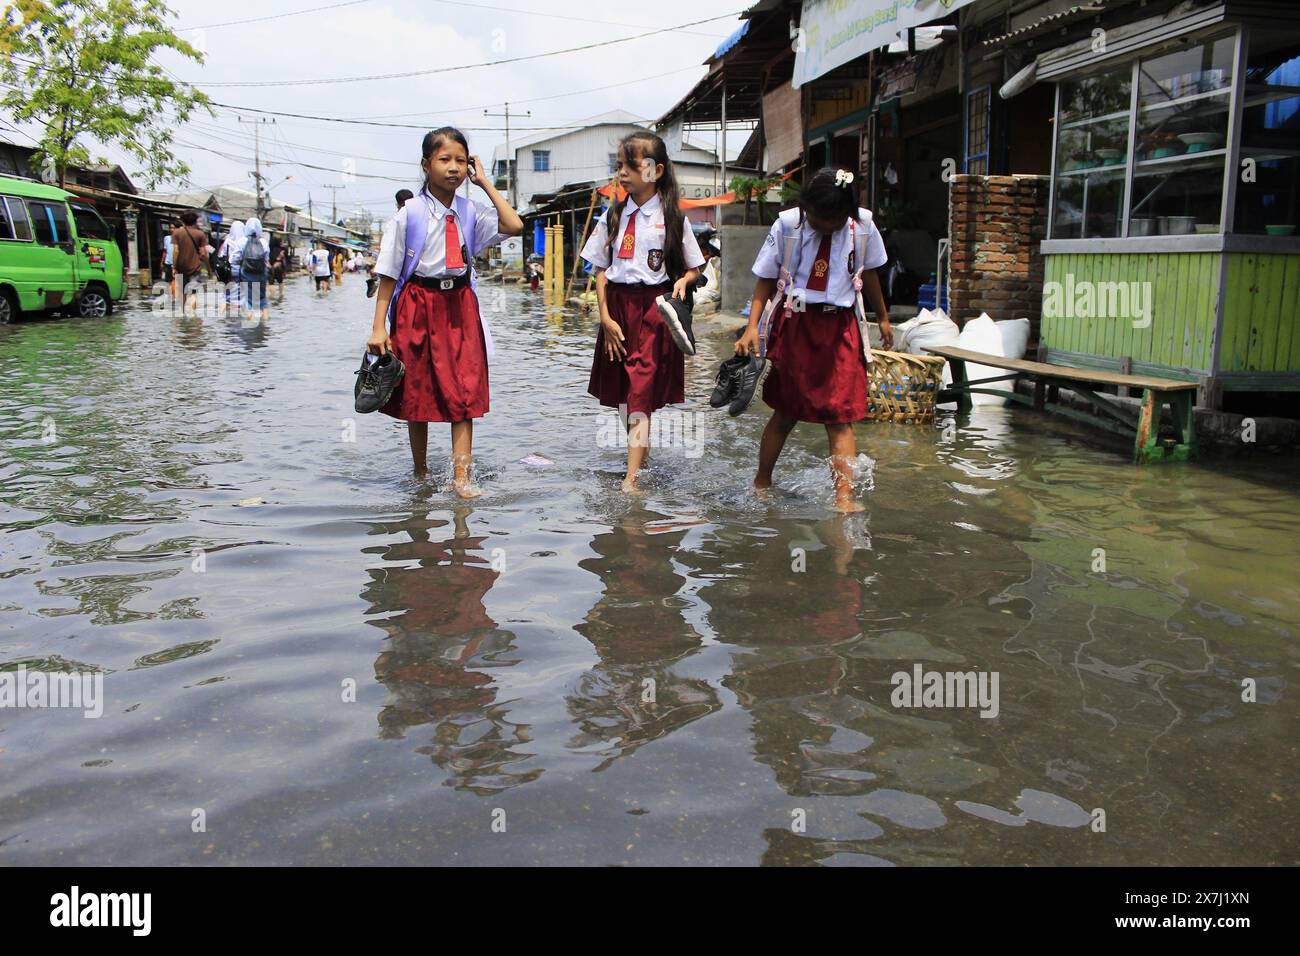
{"x": 575, "y": 157}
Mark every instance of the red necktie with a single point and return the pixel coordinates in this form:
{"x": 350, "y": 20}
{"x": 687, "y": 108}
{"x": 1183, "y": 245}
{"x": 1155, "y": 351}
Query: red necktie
{"x": 454, "y": 259}
{"x": 628, "y": 246}
{"x": 821, "y": 267}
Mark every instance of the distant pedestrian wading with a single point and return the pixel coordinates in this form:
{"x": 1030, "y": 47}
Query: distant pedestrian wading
{"x": 189, "y": 245}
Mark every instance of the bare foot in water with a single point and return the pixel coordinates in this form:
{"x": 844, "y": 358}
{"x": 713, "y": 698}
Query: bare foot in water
{"x": 847, "y": 504}
{"x": 763, "y": 489}
{"x": 629, "y": 487}
{"x": 421, "y": 474}
{"x": 463, "y": 486}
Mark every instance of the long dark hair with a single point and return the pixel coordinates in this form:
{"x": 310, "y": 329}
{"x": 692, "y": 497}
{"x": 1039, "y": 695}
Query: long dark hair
{"x": 435, "y": 138}
{"x": 632, "y": 149}
{"x": 826, "y": 199}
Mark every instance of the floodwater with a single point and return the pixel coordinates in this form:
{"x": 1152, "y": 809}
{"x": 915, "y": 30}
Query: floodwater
{"x": 553, "y": 674}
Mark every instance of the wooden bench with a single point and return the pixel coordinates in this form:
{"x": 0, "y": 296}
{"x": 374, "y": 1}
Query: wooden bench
{"x": 1143, "y": 423}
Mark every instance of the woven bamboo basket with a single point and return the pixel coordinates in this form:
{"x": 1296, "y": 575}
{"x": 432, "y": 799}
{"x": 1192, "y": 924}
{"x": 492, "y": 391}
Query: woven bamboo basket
{"x": 902, "y": 388}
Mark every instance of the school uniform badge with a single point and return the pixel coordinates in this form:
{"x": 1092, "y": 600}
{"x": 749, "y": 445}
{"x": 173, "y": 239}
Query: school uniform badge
{"x": 654, "y": 258}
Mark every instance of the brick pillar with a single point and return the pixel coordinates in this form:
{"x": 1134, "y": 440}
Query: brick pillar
{"x": 996, "y": 224}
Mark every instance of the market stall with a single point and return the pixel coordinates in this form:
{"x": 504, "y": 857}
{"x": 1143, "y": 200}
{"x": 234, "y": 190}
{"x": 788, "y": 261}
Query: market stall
{"x": 1175, "y": 196}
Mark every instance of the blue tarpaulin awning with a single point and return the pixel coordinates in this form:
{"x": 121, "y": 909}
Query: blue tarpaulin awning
{"x": 725, "y": 47}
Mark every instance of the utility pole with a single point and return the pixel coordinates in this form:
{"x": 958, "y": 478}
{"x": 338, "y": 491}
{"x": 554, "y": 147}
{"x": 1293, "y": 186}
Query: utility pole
{"x": 311, "y": 220}
{"x": 723, "y": 152}
{"x": 334, "y": 205}
{"x": 257, "y": 158}
{"x": 510, "y": 157}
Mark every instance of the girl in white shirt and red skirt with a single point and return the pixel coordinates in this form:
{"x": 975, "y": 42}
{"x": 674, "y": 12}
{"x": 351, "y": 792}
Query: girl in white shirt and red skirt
{"x": 649, "y": 252}
{"x": 437, "y": 330}
{"x": 818, "y": 367}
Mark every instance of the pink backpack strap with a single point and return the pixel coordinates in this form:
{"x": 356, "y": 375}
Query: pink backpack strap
{"x": 789, "y": 265}
{"x": 859, "y": 308}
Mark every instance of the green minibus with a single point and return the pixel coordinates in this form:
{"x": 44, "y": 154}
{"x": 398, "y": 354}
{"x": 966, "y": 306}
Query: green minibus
{"x": 56, "y": 253}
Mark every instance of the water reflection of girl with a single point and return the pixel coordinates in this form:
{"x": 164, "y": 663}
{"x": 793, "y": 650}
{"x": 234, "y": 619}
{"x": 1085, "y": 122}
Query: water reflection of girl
{"x": 795, "y": 675}
{"x": 441, "y": 647}
{"x": 638, "y": 629}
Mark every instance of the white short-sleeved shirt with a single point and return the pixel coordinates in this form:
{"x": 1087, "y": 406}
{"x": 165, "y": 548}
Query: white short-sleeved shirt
{"x": 839, "y": 283}
{"x": 320, "y": 262}
{"x": 167, "y": 248}
{"x": 433, "y": 259}
{"x": 647, "y": 262}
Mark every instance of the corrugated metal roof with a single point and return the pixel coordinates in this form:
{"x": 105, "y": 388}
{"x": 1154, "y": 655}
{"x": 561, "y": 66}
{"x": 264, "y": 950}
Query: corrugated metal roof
{"x": 1095, "y": 7}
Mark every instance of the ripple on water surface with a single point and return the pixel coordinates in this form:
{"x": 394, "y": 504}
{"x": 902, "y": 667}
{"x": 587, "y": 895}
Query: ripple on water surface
{"x": 340, "y": 664}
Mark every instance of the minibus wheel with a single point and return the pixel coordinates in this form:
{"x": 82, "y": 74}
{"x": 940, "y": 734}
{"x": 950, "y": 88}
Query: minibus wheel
{"x": 93, "y": 303}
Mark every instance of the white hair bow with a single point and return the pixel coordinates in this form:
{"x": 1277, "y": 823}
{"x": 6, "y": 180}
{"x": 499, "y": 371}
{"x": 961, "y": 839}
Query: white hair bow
{"x": 843, "y": 177}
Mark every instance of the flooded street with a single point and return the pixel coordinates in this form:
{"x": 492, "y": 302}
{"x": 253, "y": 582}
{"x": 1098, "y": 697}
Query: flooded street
{"x": 554, "y": 674}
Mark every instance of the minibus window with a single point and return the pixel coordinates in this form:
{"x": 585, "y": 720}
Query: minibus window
{"x": 89, "y": 225}
{"x": 50, "y": 223}
{"x": 42, "y": 223}
{"x": 6, "y": 228}
{"x": 18, "y": 219}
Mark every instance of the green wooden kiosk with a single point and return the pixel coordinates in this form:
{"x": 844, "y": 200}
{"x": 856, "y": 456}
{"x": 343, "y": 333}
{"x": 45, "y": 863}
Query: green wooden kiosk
{"x": 1173, "y": 247}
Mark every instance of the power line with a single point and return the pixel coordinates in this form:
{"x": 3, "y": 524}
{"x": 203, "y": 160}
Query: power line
{"x": 202, "y": 129}
{"x": 461, "y": 109}
{"x": 274, "y": 16}
{"x": 454, "y": 3}
{"x": 561, "y": 16}
{"x": 451, "y": 69}
{"x": 423, "y": 126}
{"x": 327, "y": 169}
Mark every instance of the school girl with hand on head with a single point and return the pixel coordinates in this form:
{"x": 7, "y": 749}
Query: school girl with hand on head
{"x": 436, "y": 329}
{"x": 815, "y": 347}
{"x": 649, "y": 251}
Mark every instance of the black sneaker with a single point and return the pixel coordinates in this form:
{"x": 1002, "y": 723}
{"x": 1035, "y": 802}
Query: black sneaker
{"x": 749, "y": 380}
{"x": 677, "y": 316}
{"x": 724, "y": 390}
{"x": 372, "y": 285}
{"x": 376, "y": 381}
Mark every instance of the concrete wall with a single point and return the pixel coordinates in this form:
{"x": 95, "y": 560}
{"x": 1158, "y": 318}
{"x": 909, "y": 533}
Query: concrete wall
{"x": 740, "y": 245}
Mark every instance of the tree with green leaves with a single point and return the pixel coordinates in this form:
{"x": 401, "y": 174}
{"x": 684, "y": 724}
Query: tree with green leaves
{"x": 83, "y": 70}
{"x": 753, "y": 188}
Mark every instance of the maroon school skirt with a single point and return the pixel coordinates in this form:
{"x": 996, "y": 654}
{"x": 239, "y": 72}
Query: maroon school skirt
{"x": 818, "y": 373}
{"x": 654, "y": 373}
{"x": 439, "y": 338}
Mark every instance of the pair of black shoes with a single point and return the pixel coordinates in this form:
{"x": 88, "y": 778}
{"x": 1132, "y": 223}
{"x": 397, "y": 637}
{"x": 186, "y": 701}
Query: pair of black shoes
{"x": 739, "y": 379}
{"x": 376, "y": 381}
{"x": 372, "y": 286}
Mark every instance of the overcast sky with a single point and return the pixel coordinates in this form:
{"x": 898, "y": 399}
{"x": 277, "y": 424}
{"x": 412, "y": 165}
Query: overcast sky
{"x": 388, "y": 36}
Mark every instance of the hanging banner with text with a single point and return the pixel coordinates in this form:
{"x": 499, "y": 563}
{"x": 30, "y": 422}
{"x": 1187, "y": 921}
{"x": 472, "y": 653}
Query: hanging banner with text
{"x": 833, "y": 32}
